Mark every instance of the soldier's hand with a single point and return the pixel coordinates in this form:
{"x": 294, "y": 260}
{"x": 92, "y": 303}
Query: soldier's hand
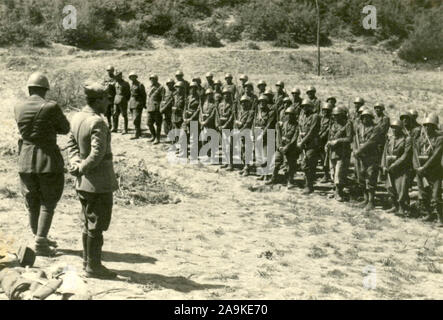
{"x": 333, "y": 142}
{"x": 74, "y": 170}
{"x": 420, "y": 171}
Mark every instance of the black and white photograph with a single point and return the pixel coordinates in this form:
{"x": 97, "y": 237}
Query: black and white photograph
{"x": 237, "y": 151}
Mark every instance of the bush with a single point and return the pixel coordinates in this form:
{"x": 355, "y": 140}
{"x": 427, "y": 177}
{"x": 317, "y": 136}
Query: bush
{"x": 286, "y": 41}
{"x": 207, "y": 39}
{"x": 425, "y": 44}
{"x": 66, "y": 89}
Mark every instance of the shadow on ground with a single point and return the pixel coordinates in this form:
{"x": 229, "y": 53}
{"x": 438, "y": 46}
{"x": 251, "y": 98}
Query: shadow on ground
{"x": 179, "y": 283}
{"x": 113, "y": 256}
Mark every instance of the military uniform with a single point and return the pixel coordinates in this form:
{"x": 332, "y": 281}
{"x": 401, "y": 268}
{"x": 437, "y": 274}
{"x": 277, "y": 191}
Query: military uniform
{"x": 296, "y": 103}
{"x": 155, "y": 97}
{"x": 166, "y": 108}
{"x": 225, "y": 120}
{"x": 190, "y": 113}
{"x": 279, "y": 105}
{"x": 109, "y": 83}
{"x": 122, "y": 96}
{"x": 265, "y": 118}
{"x": 40, "y": 163}
{"x": 325, "y": 124}
{"x": 397, "y": 162}
{"x": 137, "y": 103}
{"x": 316, "y": 103}
{"x": 89, "y": 148}
{"x": 339, "y": 148}
{"x": 244, "y": 125}
{"x": 309, "y": 127}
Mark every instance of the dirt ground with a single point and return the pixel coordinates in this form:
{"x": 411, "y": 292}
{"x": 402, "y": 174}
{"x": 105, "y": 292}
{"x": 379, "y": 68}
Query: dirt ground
{"x": 202, "y": 233}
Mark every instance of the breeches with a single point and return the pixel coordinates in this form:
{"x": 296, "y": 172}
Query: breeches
{"x": 96, "y": 211}
{"x": 339, "y": 170}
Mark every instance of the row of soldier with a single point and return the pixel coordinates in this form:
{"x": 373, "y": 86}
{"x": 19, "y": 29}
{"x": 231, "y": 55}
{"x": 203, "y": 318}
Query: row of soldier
{"x": 309, "y": 132}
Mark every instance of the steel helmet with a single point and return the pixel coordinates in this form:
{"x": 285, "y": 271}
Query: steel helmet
{"x": 179, "y": 84}
{"x": 379, "y": 105}
{"x": 153, "y": 76}
{"x": 367, "y": 112}
{"x": 290, "y": 109}
{"x": 331, "y": 98}
{"x": 280, "y": 84}
{"x": 196, "y": 79}
{"x": 209, "y": 75}
{"x": 249, "y": 84}
{"x": 311, "y": 89}
{"x": 244, "y": 77}
{"x": 262, "y": 98}
{"x": 261, "y": 83}
{"x": 228, "y": 76}
{"x": 209, "y": 91}
{"x": 132, "y": 74}
{"x": 269, "y": 92}
{"x": 405, "y": 114}
{"x": 193, "y": 84}
{"x": 287, "y": 99}
{"x": 431, "y": 119}
{"x": 170, "y": 80}
{"x": 338, "y": 111}
{"x": 413, "y": 113}
{"x": 296, "y": 90}
{"x": 109, "y": 68}
{"x": 226, "y": 90}
{"x": 327, "y": 106}
{"x": 218, "y": 83}
{"x": 179, "y": 73}
{"x": 306, "y": 102}
{"x": 38, "y": 79}
{"x": 359, "y": 100}
{"x": 245, "y": 98}
{"x": 396, "y": 123}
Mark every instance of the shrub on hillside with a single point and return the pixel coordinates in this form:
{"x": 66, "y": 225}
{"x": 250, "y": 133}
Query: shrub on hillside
{"x": 207, "y": 39}
{"x": 285, "y": 41}
{"x": 425, "y": 43}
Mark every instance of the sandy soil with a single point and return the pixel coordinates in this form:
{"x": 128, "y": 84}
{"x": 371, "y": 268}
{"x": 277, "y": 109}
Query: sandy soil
{"x": 224, "y": 237}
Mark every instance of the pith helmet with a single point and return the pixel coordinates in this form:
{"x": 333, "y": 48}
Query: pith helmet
{"x": 396, "y": 123}
{"x": 306, "y": 102}
{"x": 280, "y": 84}
{"x": 262, "y": 98}
{"x": 359, "y": 100}
{"x": 379, "y": 106}
{"x": 38, "y": 79}
{"x": 109, "y": 68}
{"x": 311, "y": 89}
{"x": 296, "y": 90}
{"x": 209, "y": 91}
{"x": 244, "y": 77}
{"x": 367, "y": 112}
{"x": 245, "y": 98}
{"x": 431, "y": 119}
{"x": 338, "y": 111}
{"x": 290, "y": 110}
{"x": 261, "y": 83}
{"x": 94, "y": 90}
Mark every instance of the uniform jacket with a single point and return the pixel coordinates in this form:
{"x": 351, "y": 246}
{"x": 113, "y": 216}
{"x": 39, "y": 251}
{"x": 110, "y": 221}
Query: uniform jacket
{"x": 309, "y": 127}
{"x": 122, "y": 92}
{"x": 325, "y": 124}
{"x": 288, "y": 135}
{"x": 225, "y": 115}
{"x": 39, "y": 121}
{"x": 232, "y": 88}
{"x": 89, "y": 146}
{"x": 297, "y": 105}
{"x": 138, "y": 96}
{"x": 370, "y": 139}
{"x": 245, "y": 119}
{"x": 278, "y": 103}
{"x": 109, "y": 83}
{"x": 397, "y": 154}
{"x": 155, "y": 96}
{"x": 178, "y": 107}
{"x": 191, "y": 109}
{"x": 207, "y": 114}
{"x": 343, "y": 135}
{"x": 430, "y": 154}
{"x": 316, "y": 104}
{"x": 167, "y": 101}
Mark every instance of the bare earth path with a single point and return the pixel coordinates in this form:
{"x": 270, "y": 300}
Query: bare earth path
{"x": 228, "y": 238}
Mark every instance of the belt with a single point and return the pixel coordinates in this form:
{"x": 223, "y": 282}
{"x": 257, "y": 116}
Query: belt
{"x": 42, "y": 144}
{"x": 107, "y": 156}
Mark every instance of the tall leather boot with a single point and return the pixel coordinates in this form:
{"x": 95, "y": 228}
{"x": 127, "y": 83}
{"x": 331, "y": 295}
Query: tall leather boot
{"x": 395, "y": 206}
{"x": 94, "y": 268}
{"x": 432, "y": 212}
{"x": 371, "y": 204}
{"x": 125, "y": 123}
{"x": 309, "y": 184}
{"x": 158, "y": 135}
{"x": 290, "y": 183}
{"x": 153, "y": 133}
{"x": 114, "y": 124}
{"x": 273, "y": 179}
{"x": 42, "y": 247}
{"x": 109, "y": 118}
{"x": 339, "y": 193}
{"x": 85, "y": 250}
